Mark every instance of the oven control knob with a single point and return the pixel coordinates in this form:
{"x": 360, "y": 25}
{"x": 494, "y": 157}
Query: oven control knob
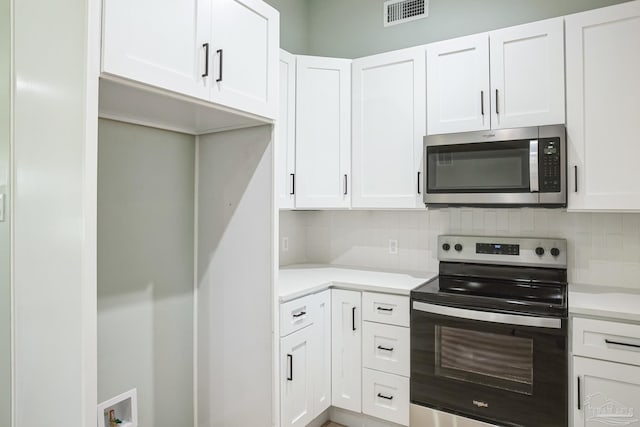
{"x": 446, "y": 246}
{"x": 458, "y": 247}
{"x": 539, "y": 251}
{"x": 555, "y": 251}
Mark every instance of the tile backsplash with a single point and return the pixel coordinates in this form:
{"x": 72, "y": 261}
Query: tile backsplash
{"x": 603, "y": 248}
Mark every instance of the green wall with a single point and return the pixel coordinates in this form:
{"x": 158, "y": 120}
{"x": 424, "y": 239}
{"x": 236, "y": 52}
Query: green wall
{"x": 145, "y": 270}
{"x": 294, "y": 18}
{"x": 354, "y": 28}
{"x": 5, "y": 248}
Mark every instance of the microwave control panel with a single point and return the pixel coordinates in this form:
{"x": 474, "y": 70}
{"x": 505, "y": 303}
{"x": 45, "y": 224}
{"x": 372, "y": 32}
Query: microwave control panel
{"x": 550, "y": 158}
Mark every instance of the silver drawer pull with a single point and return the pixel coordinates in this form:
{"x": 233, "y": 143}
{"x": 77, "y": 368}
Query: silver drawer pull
{"x": 626, "y": 344}
{"x": 385, "y": 397}
{"x": 384, "y": 309}
{"x": 302, "y": 313}
{"x": 385, "y": 348}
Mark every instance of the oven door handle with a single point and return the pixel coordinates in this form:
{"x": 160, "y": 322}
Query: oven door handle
{"x": 507, "y": 319}
{"x": 533, "y": 166}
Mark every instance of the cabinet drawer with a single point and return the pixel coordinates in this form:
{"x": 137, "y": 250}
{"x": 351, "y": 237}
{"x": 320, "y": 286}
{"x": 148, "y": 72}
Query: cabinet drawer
{"x": 295, "y": 315}
{"x": 385, "y": 396}
{"x": 385, "y": 348}
{"x": 385, "y": 308}
{"x": 600, "y": 339}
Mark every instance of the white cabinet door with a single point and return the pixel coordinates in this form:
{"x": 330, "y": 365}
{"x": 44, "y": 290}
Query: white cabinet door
{"x": 609, "y": 393}
{"x": 285, "y": 133}
{"x": 159, "y": 43}
{"x": 295, "y": 384}
{"x": 346, "y": 350}
{"x": 323, "y": 132}
{"x": 458, "y": 85}
{"x": 603, "y": 65}
{"x": 527, "y": 75}
{"x": 321, "y": 377}
{"x": 389, "y": 119}
{"x": 245, "y": 53}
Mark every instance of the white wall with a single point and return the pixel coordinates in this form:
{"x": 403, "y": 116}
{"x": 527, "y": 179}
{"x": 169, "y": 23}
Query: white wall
{"x": 5, "y": 230}
{"x": 145, "y": 270}
{"x": 54, "y": 139}
{"x": 604, "y": 249}
{"x": 235, "y": 278}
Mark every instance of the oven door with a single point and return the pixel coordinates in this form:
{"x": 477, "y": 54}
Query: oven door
{"x": 501, "y": 368}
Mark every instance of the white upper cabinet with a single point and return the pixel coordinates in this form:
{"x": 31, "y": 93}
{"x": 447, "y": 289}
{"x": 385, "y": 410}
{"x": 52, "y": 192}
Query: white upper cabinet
{"x": 285, "y": 133}
{"x": 160, "y": 44}
{"x": 323, "y": 132}
{"x": 388, "y": 122}
{"x": 521, "y": 83}
{"x": 224, "y": 51}
{"x": 527, "y": 75}
{"x": 603, "y": 65}
{"x": 245, "y": 52}
{"x": 458, "y": 85}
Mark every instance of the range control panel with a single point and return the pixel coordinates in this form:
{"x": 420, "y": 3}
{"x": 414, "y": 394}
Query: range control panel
{"x": 527, "y": 251}
{"x": 497, "y": 249}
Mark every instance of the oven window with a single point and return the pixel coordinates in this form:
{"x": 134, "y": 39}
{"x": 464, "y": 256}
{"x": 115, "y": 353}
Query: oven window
{"x": 501, "y": 361}
{"x": 496, "y": 167}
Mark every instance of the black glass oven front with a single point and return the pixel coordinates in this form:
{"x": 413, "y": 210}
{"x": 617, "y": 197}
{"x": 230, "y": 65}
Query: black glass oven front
{"x": 501, "y": 373}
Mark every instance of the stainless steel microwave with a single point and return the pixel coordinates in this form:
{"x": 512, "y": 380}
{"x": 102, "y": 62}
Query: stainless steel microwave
{"x": 506, "y": 167}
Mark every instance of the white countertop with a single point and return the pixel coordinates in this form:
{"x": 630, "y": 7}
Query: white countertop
{"x": 604, "y": 301}
{"x": 299, "y": 280}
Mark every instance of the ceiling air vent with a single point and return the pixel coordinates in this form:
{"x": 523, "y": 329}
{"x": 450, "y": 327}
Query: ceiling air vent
{"x": 399, "y": 11}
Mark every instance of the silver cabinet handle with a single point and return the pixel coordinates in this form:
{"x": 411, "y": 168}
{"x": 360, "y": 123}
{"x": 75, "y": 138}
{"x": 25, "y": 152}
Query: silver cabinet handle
{"x": 482, "y": 102}
{"x": 578, "y": 393}
{"x": 497, "y": 110}
{"x": 345, "y": 184}
{"x": 507, "y": 319}
{"x": 533, "y": 166}
{"x": 575, "y": 178}
{"x": 290, "y": 374}
{"x": 293, "y": 183}
{"x": 419, "y": 182}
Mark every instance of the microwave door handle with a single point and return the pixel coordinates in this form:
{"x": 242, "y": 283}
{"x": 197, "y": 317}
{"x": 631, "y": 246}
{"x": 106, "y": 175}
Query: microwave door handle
{"x": 533, "y": 166}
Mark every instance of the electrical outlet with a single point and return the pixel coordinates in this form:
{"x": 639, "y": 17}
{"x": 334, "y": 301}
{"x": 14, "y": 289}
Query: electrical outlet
{"x": 393, "y": 246}
{"x": 285, "y": 244}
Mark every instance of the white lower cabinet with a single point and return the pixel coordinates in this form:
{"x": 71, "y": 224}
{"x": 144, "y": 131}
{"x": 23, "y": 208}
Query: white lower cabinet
{"x": 333, "y": 354}
{"x": 606, "y": 373}
{"x": 385, "y": 396}
{"x": 608, "y": 393}
{"x": 321, "y": 375}
{"x": 385, "y": 348}
{"x": 305, "y": 358}
{"x": 296, "y": 371}
{"x": 386, "y": 353}
{"x": 346, "y": 350}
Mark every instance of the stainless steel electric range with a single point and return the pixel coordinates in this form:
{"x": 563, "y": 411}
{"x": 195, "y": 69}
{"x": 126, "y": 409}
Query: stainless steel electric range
{"x": 489, "y": 334}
